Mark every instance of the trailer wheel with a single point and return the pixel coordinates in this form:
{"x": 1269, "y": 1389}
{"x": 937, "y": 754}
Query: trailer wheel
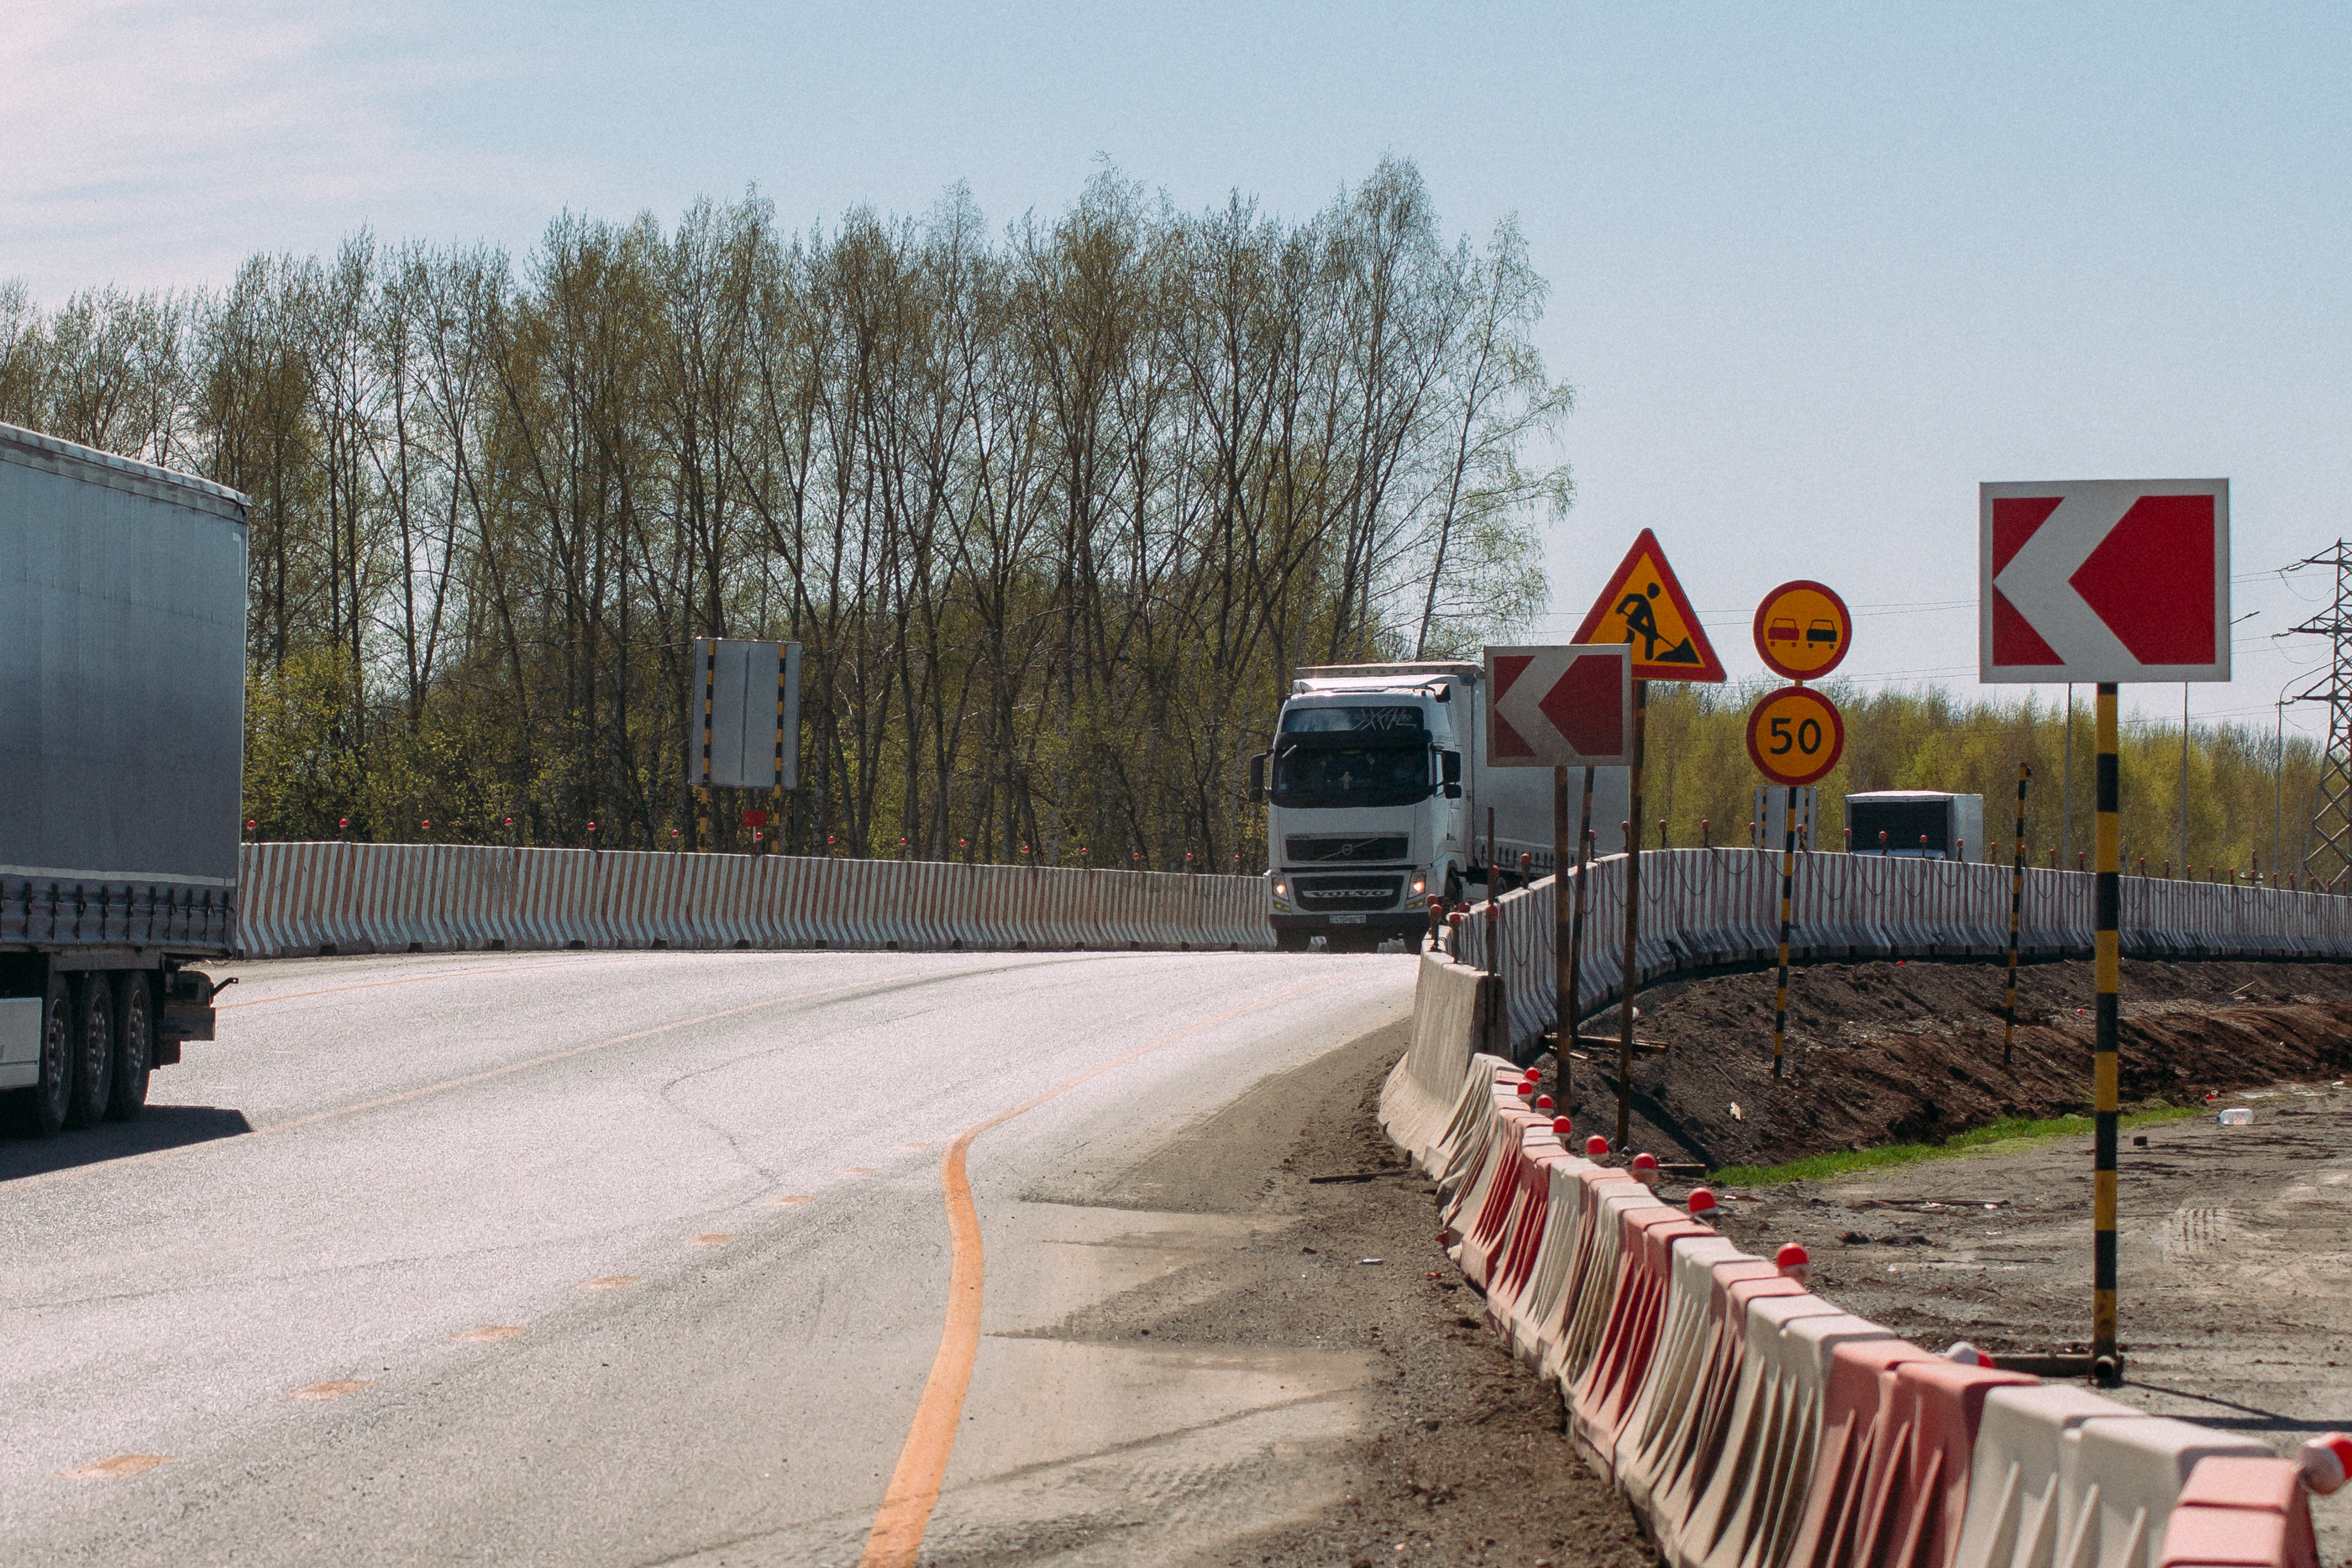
{"x": 134, "y": 1046}
{"x": 93, "y": 1041}
{"x": 48, "y": 1101}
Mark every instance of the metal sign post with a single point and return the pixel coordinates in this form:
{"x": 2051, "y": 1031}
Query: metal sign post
{"x": 1562, "y": 706}
{"x": 1795, "y": 737}
{"x": 1644, "y": 607}
{"x": 746, "y": 744}
{"x": 1572, "y": 1009}
{"x": 2103, "y": 581}
{"x": 1630, "y": 976}
{"x": 1564, "y": 940}
{"x": 2016, "y": 920}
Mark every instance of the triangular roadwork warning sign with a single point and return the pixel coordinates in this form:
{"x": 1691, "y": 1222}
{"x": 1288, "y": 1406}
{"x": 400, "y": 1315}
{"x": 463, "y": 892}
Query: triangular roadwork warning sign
{"x": 1646, "y": 607}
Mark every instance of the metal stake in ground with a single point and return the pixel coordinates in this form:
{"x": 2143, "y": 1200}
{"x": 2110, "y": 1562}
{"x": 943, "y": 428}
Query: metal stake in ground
{"x": 2104, "y": 1364}
{"x": 1573, "y": 1010}
{"x": 1788, "y": 886}
{"x": 2016, "y": 919}
{"x": 1630, "y": 976}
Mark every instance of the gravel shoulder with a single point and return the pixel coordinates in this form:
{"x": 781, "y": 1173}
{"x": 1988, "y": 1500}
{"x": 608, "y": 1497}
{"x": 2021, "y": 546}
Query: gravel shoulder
{"x": 2234, "y": 1263}
{"x": 1462, "y": 1455}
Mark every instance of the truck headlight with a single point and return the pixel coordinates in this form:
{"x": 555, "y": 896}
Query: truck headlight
{"x": 1420, "y": 884}
{"x": 1282, "y": 889}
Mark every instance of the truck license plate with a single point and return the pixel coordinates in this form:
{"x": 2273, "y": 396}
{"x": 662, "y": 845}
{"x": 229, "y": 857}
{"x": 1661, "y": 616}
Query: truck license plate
{"x": 1346, "y": 920}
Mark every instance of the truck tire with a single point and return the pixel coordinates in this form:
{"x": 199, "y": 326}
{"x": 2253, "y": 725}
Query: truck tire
{"x": 135, "y": 1045}
{"x": 93, "y": 1043}
{"x": 48, "y": 1102}
{"x": 1291, "y": 941}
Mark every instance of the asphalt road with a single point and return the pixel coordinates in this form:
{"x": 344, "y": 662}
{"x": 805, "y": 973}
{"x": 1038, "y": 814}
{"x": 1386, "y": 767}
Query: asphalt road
{"x": 644, "y": 1258}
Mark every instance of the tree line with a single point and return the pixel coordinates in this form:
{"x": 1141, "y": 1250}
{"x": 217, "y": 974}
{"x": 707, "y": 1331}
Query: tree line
{"x": 2249, "y": 798}
{"x": 1053, "y": 510}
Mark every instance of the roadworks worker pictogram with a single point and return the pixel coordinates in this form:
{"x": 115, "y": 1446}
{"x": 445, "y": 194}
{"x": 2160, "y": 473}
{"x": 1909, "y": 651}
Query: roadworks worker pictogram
{"x": 1646, "y": 609}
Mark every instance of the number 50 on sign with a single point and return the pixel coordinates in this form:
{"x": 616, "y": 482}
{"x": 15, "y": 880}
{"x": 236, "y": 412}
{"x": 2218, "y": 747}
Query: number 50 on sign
{"x": 1795, "y": 736}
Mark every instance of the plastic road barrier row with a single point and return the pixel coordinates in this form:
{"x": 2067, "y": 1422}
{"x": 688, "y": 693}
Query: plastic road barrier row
{"x": 1751, "y": 1423}
{"x": 303, "y": 898}
{"x": 1701, "y": 908}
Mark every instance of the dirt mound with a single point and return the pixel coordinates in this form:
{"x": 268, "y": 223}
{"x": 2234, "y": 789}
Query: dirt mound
{"x": 1911, "y": 1052}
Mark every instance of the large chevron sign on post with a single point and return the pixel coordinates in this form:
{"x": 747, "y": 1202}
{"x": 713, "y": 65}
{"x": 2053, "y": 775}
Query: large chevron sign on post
{"x": 2104, "y": 580}
{"x": 1563, "y": 706}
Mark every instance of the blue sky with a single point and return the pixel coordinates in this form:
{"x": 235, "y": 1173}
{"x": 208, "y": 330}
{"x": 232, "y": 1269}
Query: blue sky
{"x": 1817, "y": 269}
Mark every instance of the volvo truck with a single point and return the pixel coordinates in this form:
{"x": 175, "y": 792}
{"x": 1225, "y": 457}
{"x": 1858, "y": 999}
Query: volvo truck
{"x": 122, "y": 598}
{"x": 1379, "y": 797}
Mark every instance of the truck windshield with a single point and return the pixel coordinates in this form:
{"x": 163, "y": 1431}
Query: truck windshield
{"x": 1351, "y": 775}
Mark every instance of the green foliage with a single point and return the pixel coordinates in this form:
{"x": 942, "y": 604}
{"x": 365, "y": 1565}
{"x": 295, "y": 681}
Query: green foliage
{"x": 2006, "y": 1135}
{"x": 1931, "y": 738}
{"x": 1054, "y": 512}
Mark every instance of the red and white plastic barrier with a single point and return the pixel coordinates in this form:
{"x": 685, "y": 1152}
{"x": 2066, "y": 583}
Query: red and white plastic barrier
{"x": 1753, "y": 1425}
{"x": 300, "y": 898}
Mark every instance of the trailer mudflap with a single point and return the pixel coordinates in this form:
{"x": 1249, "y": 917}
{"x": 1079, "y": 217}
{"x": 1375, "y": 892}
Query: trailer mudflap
{"x": 187, "y": 1012}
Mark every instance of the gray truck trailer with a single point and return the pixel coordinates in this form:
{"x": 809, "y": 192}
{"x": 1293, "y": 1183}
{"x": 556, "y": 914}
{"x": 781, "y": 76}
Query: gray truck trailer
{"x": 122, "y": 751}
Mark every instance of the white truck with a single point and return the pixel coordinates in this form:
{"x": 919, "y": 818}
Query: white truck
{"x": 123, "y": 592}
{"x": 1379, "y": 797}
{"x": 1916, "y": 824}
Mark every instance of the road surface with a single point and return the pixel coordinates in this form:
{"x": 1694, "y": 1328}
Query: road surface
{"x": 650, "y": 1258}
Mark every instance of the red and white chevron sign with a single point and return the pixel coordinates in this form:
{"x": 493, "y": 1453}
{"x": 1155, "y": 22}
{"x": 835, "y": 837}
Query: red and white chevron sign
{"x": 2104, "y": 580}
{"x": 1568, "y": 704}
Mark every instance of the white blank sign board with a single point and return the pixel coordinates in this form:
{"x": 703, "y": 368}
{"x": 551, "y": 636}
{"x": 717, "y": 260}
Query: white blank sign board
{"x": 742, "y": 681}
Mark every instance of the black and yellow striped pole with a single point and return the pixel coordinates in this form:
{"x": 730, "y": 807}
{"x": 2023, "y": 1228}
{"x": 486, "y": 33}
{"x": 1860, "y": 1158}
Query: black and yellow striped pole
{"x": 776, "y": 817}
{"x": 2016, "y": 919}
{"x": 2107, "y": 1365}
{"x": 1788, "y": 888}
{"x": 702, "y": 790}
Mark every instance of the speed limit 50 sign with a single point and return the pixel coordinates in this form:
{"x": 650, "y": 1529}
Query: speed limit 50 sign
{"x": 1795, "y": 736}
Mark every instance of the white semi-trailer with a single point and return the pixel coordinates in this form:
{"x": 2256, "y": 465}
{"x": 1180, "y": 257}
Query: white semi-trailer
{"x": 1916, "y": 824}
{"x": 1379, "y": 797}
{"x": 121, "y": 745}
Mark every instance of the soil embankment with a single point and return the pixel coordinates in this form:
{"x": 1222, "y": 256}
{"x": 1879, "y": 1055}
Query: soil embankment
{"x": 1911, "y": 1052}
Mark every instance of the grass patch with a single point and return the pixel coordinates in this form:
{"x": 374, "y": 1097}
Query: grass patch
{"x": 2008, "y": 1134}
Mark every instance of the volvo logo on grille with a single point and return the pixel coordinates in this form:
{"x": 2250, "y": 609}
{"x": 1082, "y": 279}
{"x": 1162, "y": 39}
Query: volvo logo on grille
{"x": 1354, "y": 893}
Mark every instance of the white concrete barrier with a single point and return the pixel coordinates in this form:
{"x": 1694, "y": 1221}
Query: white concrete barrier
{"x": 1711, "y": 907}
{"x": 305, "y": 897}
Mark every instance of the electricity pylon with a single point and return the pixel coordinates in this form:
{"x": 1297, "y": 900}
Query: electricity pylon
{"x": 2327, "y": 855}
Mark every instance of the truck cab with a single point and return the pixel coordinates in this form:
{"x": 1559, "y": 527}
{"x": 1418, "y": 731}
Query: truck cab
{"x": 1367, "y": 815}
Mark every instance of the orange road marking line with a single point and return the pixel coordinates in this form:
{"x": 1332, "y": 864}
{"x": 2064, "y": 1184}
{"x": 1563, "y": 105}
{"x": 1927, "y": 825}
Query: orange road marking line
{"x": 914, "y": 1489}
{"x": 716, "y": 1238}
{"x": 489, "y": 1334}
{"x": 790, "y": 1198}
{"x": 611, "y": 1282}
{"x": 114, "y": 1468}
{"x": 334, "y": 1390}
